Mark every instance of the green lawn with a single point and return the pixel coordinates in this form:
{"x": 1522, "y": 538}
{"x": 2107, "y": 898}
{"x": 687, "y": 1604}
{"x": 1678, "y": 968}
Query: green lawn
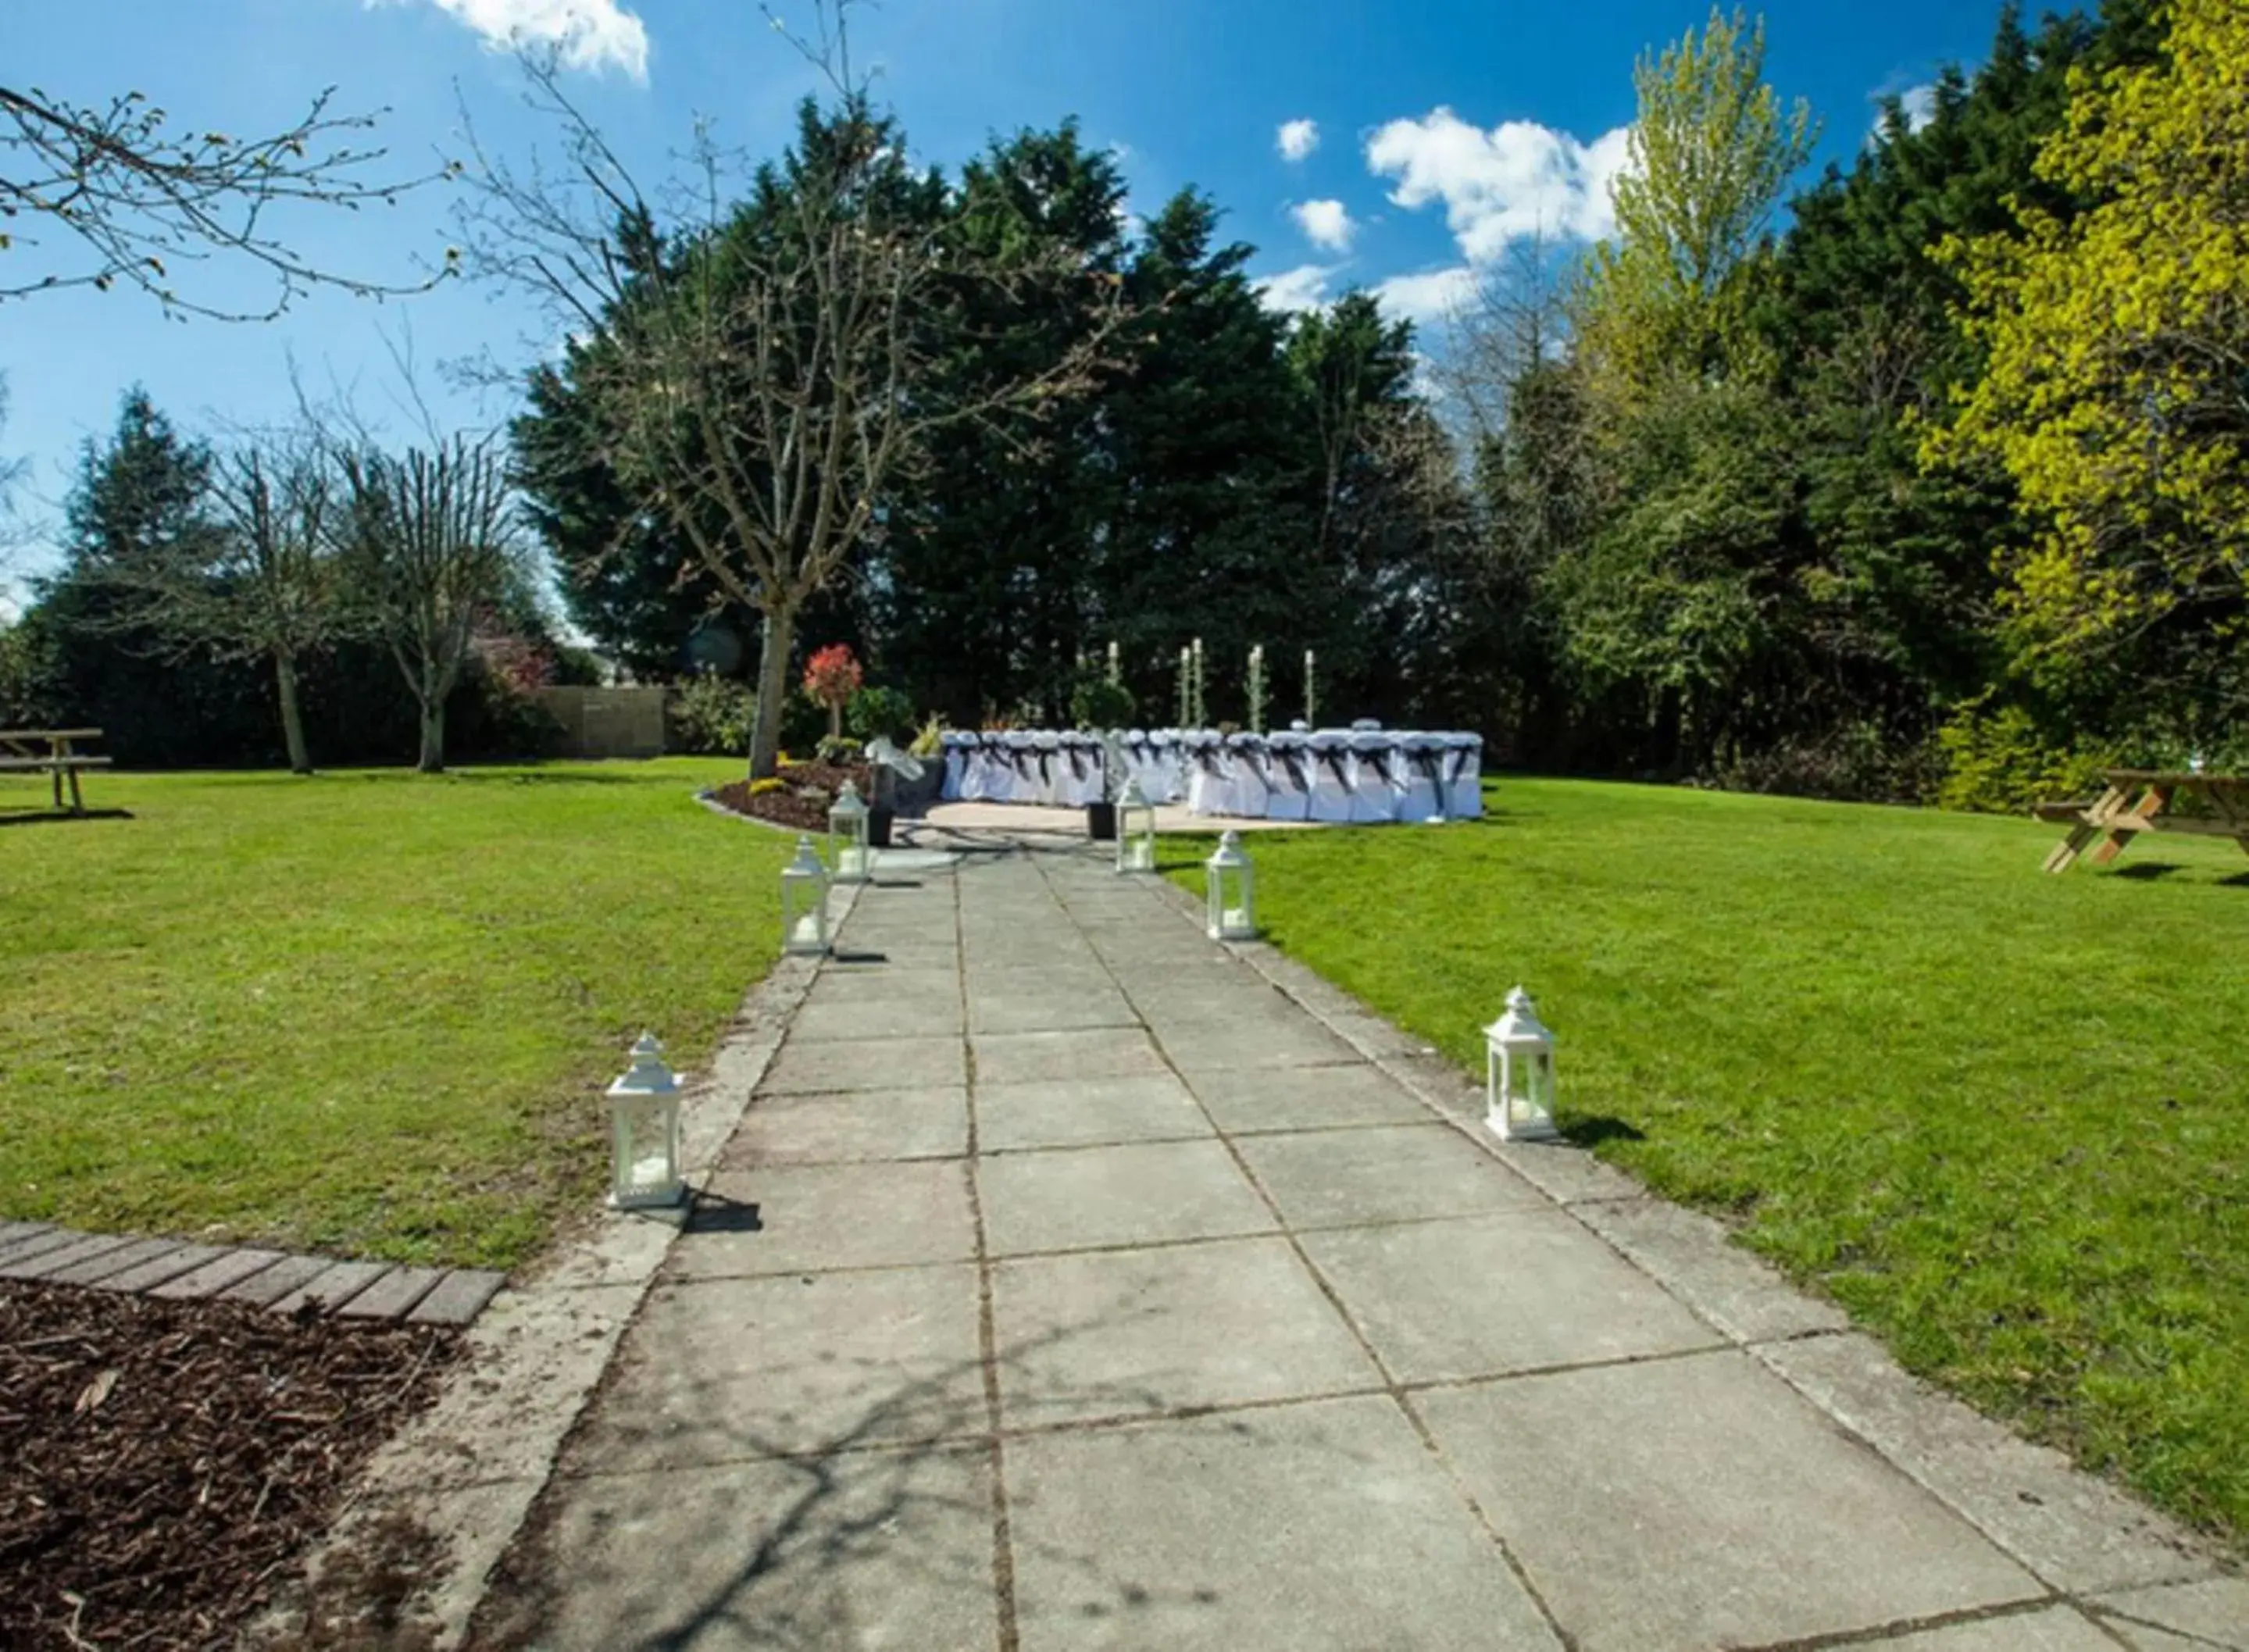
{"x": 367, "y": 1012}
{"x": 2002, "y": 1117}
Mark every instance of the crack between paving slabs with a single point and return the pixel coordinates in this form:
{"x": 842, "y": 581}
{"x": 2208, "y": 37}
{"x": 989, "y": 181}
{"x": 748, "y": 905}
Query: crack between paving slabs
{"x": 1397, "y": 1395}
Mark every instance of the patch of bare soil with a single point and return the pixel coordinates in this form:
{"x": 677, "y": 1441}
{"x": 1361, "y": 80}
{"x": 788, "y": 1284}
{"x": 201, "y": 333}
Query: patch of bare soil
{"x": 168, "y": 1464}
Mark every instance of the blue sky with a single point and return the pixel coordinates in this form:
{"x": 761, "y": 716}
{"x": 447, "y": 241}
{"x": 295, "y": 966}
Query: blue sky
{"x": 1373, "y": 182}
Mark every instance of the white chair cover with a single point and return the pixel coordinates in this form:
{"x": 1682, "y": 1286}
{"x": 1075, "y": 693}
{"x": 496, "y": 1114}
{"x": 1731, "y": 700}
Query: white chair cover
{"x": 1462, "y": 783}
{"x": 1287, "y": 778}
{"x": 1167, "y": 782}
{"x": 1330, "y": 767}
{"x": 1208, "y": 773}
{"x": 1046, "y": 766}
{"x": 999, "y": 768}
{"x": 1247, "y": 788}
{"x": 1077, "y": 770}
{"x": 1370, "y": 790}
{"x": 954, "y": 743}
{"x": 976, "y": 775}
{"x": 1416, "y": 771}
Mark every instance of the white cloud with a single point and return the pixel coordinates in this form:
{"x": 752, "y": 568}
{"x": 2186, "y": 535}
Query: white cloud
{"x": 590, "y": 34}
{"x": 1325, "y": 225}
{"x": 1304, "y": 287}
{"x": 1919, "y": 104}
{"x": 1431, "y": 295}
{"x": 1297, "y": 139}
{"x": 1517, "y": 180}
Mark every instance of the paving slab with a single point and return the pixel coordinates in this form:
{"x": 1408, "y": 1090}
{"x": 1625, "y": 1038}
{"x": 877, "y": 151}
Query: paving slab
{"x": 395, "y": 1295}
{"x": 804, "y": 1218}
{"x": 1048, "y": 1009}
{"x": 851, "y": 1127}
{"x": 15, "y": 1232}
{"x": 1324, "y": 1177}
{"x": 1522, "y": 1290}
{"x": 458, "y": 1297}
{"x": 1695, "y": 1256}
{"x": 229, "y": 1268}
{"x": 332, "y": 1287}
{"x": 867, "y": 986}
{"x": 1105, "y": 1052}
{"x": 101, "y": 1265}
{"x": 2211, "y": 1610}
{"x": 852, "y": 959}
{"x": 2053, "y": 1628}
{"x": 878, "y": 1017}
{"x": 874, "y": 1064}
{"x": 2077, "y": 1532}
{"x": 39, "y": 1261}
{"x": 1142, "y": 1192}
{"x": 873, "y": 1550}
{"x": 1699, "y": 1501}
{"x": 270, "y": 1285}
{"x": 1205, "y": 1046}
{"x": 163, "y": 1265}
{"x": 1306, "y": 1098}
{"x": 1074, "y": 1113}
{"x": 723, "y": 1371}
{"x": 1325, "y": 1527}
{"x": 1109, "y": 1333}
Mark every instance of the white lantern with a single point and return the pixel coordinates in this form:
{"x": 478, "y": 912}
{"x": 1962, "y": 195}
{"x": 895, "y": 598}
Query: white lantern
{"x": 848, "y": 855}
{"x": 1230, "y": 892}
{"x": 1519, "y": 1074}
{"x": 645, "y": 1132}
{"x": 804, "y": 903}
{"x": 1136, "y": 831}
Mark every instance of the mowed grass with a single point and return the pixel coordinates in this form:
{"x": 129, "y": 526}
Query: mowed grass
{"x": 365, "y": 1012}
{"x": 2002, "y": 1117}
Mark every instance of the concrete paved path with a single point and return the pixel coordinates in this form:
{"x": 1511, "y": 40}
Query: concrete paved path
{"x": 1072, "y": 1282}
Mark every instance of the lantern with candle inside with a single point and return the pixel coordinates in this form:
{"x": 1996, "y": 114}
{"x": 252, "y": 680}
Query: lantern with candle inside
{"x": 1519, "y": 1074}
{"x": 804, "y": 903}
{"x": 1136, "y": 831}
{"x": 645, "y": 1132}
{"x": 848, "y": 855}
{"x": 1230, "y": 893}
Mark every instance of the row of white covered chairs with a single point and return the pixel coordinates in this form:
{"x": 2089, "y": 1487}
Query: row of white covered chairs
{"x": 1338, "y": 776}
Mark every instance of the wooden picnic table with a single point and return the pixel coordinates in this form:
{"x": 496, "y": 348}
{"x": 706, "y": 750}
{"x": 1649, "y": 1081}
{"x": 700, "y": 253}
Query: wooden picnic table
{"x": 53, "y": 751}
{"x": 2140, "y": 799}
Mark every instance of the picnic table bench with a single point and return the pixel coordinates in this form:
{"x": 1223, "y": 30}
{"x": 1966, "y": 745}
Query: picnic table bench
{"x": 52, "y": 751}
{"x": 2140, "y": 799}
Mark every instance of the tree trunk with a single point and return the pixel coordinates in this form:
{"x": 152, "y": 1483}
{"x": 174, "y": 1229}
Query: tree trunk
{"x": 292, "y": 720}
{"x": 772, "y": 689}
{"x": 433, "y": 738}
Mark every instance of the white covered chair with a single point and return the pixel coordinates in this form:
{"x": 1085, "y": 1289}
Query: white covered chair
{"x": 1330, "y": 775}
{"x": 1461, "y": 784}
{"x": 1416, "y": 770}
{"x": 1247, "y": 788}
{"x": 1372, "y": 756}
{"x": 954, "y": 743}
{"x": 1166, "y": 779}
{"x": 1047, "y": 768}
{"x": 999, "y": 767}
{"x": 1022, "y": 758}
{"x": 1208, "y": 773}
{"x": 976, "y": 767}
{"x": 1077, "y": 770}
{"x": 1287, "y": 777}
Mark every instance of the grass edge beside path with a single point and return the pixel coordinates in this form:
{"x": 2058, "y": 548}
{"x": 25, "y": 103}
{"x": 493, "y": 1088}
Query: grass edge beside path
{"x": 2002, "y": 1117}
{"x": 369, "y": 1012}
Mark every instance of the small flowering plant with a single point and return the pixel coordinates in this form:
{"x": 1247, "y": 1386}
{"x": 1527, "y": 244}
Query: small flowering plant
{"x": 831, "y": 677}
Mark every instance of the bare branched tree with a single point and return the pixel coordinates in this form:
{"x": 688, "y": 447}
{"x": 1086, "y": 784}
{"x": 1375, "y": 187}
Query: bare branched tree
{"x": 434, "y": 544}
{"x": 105, "y": 195}
{"x": 264, "y": 583}
{"x": 1516, "y": 319}
{"x": 762, "y": 376}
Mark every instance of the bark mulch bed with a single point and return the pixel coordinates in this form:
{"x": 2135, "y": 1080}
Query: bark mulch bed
{"x": 801, "y": 800}
{"x": 168, "y": 1463}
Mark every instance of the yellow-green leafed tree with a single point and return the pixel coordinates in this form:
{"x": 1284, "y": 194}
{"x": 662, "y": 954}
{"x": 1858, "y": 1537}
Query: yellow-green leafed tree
{"x": 1711, "y": 148}
{"x": 2116, "y": 393}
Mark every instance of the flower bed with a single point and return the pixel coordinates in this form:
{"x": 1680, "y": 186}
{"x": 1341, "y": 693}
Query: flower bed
{"x": 798, "y": 797}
